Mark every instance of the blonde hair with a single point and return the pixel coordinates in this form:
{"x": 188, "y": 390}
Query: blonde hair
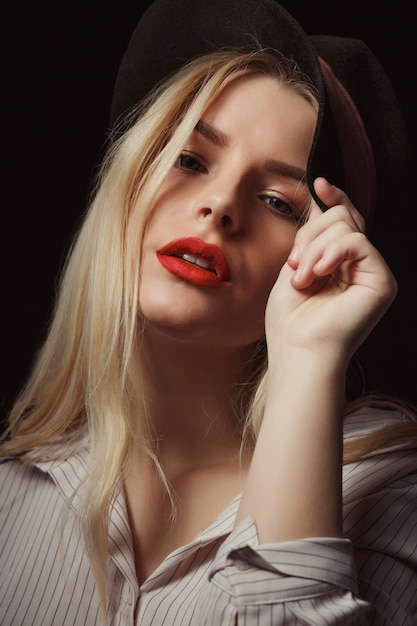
{"x": 81, "y": 383}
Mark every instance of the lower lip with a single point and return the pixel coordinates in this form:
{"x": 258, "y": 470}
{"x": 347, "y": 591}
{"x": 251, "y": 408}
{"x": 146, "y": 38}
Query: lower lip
{"x": 189, "y": 272}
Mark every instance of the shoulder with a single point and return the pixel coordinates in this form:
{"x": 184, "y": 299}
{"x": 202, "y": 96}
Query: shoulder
{"x": 16, "y": 475}
{"x": 22, "y": 484}
{"x": 42, "y": 474}
{"x": 367, "y": 420}
{"x": 379, "y": 516}
{"x": 380, "y": 490}
{"x": 42, "y": 554}
{"x": 386, "y": 467}
{"x": 35, "y": 494}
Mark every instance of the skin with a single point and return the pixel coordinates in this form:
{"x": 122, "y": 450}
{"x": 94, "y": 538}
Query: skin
{"x": 330, "y": 294}
{"x": 224, "y": 195}
{"x": 315, "y": 291}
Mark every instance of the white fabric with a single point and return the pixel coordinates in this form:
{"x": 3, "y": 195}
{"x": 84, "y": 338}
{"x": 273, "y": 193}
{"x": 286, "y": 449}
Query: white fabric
{"x": 223, "y": 577}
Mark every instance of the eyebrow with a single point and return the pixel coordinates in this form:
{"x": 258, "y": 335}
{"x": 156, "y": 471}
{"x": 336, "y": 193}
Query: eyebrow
{"x": 273, "y": 166}
{"x": 213, "y": 134}
{"x": 285, "y": 169}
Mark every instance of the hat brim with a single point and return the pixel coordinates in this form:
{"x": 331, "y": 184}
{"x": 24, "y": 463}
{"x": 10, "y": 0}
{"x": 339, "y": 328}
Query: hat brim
{"x": 172, "y": 32}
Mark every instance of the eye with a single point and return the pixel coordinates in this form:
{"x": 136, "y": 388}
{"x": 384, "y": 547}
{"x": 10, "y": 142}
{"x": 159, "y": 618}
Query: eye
{"x": 282, "y": 207}
{"x": 190, "y": 162}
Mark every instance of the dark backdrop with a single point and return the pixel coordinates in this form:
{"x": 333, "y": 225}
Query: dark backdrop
{"x": 59, "y": 69}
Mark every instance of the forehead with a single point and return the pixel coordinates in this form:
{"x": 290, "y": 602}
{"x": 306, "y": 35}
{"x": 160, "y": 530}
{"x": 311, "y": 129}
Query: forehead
{"x": 250, "y": 88}
{"x": 256, "y": 105}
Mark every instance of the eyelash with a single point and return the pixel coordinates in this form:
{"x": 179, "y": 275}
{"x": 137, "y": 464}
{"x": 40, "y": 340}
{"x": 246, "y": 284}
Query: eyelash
{"x": 286, "y": 208}
{"x": 190, "y": 163}
{"x": 192, "y": 160}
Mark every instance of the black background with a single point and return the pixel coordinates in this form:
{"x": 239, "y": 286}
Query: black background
{"x": 60, "y": 65}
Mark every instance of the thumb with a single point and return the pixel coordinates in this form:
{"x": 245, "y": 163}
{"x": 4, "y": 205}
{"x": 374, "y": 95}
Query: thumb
{"x": 333, "y": 196}
{"x": 328, "y": 194}
{"x": 325, "y": 192}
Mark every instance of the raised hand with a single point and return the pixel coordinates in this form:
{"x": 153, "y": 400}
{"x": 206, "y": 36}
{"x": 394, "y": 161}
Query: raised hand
{"x": 335, "y": 285}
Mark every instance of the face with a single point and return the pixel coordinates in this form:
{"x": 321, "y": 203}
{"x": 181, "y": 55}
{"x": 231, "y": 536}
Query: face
{"x": 224, "y": 220}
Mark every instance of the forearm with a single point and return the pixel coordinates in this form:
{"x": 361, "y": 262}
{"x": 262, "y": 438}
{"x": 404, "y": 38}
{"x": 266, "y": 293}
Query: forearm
{"x": 293, "y": 488}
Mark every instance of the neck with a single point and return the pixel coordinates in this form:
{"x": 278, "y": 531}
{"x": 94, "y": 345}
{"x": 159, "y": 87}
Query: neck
{"x": 191, "y": 393}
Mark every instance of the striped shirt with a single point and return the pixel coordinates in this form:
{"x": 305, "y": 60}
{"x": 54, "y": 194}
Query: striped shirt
{"x": 224, "y": 577}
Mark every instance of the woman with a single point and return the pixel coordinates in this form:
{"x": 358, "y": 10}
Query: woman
{"x": 156, "y": 471}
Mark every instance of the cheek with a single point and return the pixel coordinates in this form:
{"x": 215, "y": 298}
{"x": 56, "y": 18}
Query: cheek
{"x": 158, "y": 229}
{"x": 269, "y": 260}
{"x": 264, "y": 269}
{"x": 275, "y": 242}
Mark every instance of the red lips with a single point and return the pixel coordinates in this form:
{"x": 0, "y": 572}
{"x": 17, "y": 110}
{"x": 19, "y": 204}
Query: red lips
{"x": 206, "y": 266}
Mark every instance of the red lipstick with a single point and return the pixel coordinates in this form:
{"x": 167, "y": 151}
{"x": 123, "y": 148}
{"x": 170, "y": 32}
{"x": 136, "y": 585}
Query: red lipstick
{"x": 195, "y": 261}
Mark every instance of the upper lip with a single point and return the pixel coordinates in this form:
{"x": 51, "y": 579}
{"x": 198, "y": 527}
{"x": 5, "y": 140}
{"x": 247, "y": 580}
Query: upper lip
{"x": 195, "y": 246}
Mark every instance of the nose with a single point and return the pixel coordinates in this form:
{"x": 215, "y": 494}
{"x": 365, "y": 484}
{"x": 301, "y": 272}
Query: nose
{"x": 221, "y": 202}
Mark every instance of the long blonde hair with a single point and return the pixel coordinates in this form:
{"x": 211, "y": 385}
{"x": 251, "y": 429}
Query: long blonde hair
{"x": 81, "y": 383}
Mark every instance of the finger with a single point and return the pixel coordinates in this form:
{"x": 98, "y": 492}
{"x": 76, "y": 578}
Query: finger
{"x": 341, "y": 212}
{"x": 333, "y": 223}
{"x": 352, "y": 247}
{"x": 332, "y": 196}
{"x": 336, "y": 244}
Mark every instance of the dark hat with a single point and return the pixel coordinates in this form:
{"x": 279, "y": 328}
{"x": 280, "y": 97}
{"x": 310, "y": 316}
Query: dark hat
{"x": 360, "y": 122}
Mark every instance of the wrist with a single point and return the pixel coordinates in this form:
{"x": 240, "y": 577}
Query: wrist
{"x": 326, "y": 363}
